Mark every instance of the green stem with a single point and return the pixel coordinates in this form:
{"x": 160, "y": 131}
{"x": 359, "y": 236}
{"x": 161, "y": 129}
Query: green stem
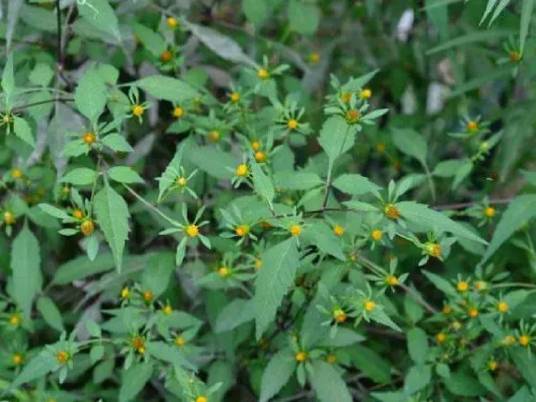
{"x": 151, "y": 206}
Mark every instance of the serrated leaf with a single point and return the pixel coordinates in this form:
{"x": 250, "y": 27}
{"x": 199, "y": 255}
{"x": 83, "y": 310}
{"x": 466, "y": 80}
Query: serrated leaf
{"x": 234, "y": 314}
{"x": 101, "y": 15}
{"x": 518, "y": 213}
{"x": 411, "y": 143}
{"x": 213, "y": 161}
{"x": 80, "y": 177}
{"x": 112, "y": 217}
{"x": 276, "y": 374}
{"x": 440, "y": 283}
{"x": 417, "y": 378}
{"x": 50, "y": 313}
{"x": 280, "y": 263}
{"x": 167, "y": 88}
{"x": 417, "y": 345}
{"x": 124, "y": 174}
{"x": 151, "y": 40}
{"x": 327, "y": 383}
{"x": 23, "y": 130}
{"x": 53, "y": 211}
{"x": 25, "y": 264}
{"x": 355, "y": 184}
{"x": 8, "y": 81}
{"x": 336, "y": 137}
{"x": 90, "y": 95}
{"x": 117, "y": 142}
{"x": 371, "y": 364}
{"x": 436, "y": 221}
{"x": 134, "y": 379}
{"x": 262, "y": 183}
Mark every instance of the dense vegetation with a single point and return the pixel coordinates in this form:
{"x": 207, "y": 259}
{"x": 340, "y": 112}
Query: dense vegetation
{"x": 267, "y": 200}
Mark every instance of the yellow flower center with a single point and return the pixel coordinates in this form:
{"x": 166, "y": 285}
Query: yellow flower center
{"x": 201, "y": 399}
{"x": 515, "y": 56}
{"x": 352, "y": 116}
{"x": 17, "y": 359}
{"x": 191, "y": 230}
{"x": 235, "y": 97}
{"x": 180, "y": 341}
{"x": 258, "y": 263}
{"x": 256, "y": 145}
{"x": 295, "y": 230}
{"x": 433, "y": 249}
{"x": 137, "y": 110}
{"x": 9, "y": 218}
{"x": 440, "y": 337}
{"x": 331, "y": 358}
{"x": 148, "y": 296}
{"x": 87, "y": 227}
{"x": 392, "y": 280}
{"x": 166, "y": 56}
{"x": 260, "y": 156}
{"x": 502, "y": 307}
{"x": 338, "y": 230}
{"x": 292, "y": 124}
{"x": 224, "y": 272}
{"x": 214, "y": 135}
{"x": 167, "y": 309}
{"x": 181, "y": 181}
{"x": 481, "y": 285}
{"x": 346, "y": 97}
{"x": 125, "y": 293}
{"x": 492, "y": 365}
{"x": 462, "y": 286}
{"x": 339, "y": 315}
{"x": 365, "y": 93}
{"x": 300, "y": 356}
{"x": 242, "y": 230}
{"x": 380, "y": 148}
{"x": 178, "y": 112}
{"x": 489, "y": 212}
{"x": 78, "y": 214}
{"x": 314, "y": 57}
{"x": 473, "y": 312}
{"x": 508, "y": 340}
{"x": 138, "y": 344}
{"x": 171, "y": 22}
{"x": 263, "y": 73}
{"x": 369, "y": 305}
{"x": 62, "y": 357}
{"x": 524, "y": 340}
{"x": 242, "y": 170}
{"x": 16, "y": 173}
{"x": 376, "y": 234}
{"x": 15, "y": 320}
{"x": 391, "y": 211}
{"x": 446, "y": 309}
{"x": 472, "y": 126}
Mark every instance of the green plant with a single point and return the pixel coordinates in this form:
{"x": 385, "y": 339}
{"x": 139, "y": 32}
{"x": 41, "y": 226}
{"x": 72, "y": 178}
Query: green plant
{"x": 285, "y": 203}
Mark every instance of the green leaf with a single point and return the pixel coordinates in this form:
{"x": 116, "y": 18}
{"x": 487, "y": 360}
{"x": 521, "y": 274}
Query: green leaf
{"x": 41, "y": 75}
{"x": 526, "y": 364}
{"x": 290, "y": 180}
{"x": 80, "y": 177}
{"x": 336, "y": 137}
{"x": 411, "y": 143}
{"x": 81, "y": 267}
{"x": 213, "y": 161}
{"x": 100, "y": 15}
{"x": 371, "y": 364}
{"x": 417, "y": 345}
{"x": 134, "y": 380}
{"x": 124, "y": 174}
{"x": 421, "y": 215}
{"x": 462, "y": 383}
{"x": 327, "y": 242}
{"x": 90, "y": 95}
{"x": 117, "y": 142}
{"x": 355, "y": 184}
{"x": 50, "y": 313}
{"x": 440, "y": 283}
{"x": 526, "y": 15}
{"x": 157, "y": 274}
{"x": 168, "y": 353}
{"x": 170, "y": 174}
{"x": 25, "y": 265}
{"x": 38, "y": 367}
{"x": 167, "y": 88}
{"x": 417, "y": 378}
{"x": 327, "y": 383}
{"x": 280, "y": 263}
{"x": 474, "y": 37}
{"x": 236, "y": 313}
{"x": 23, "y": 130}
{"x": 276, "y": 374}
{"x": 262, "y": 183}
{"x": 518, "y": 213}
{"x": 53, "y": 211}
{"x": 303, "y": 17}
{"x": 112, "y": 217}
{"x": 8, "y": 81}
{"x": 256, "y": 11}
{"x": 152, "y": 41}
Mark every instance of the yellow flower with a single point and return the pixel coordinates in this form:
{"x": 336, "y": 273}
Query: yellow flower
{"x": 166, "y": 56}
{"x": 292, "y": 124}
{"x": 524, "y": 340}
{"x": 352, "y": 116}
{"x": 489, "y": 212}
{"x": 167, "y": 309}
{"x": 16, "y": 173}
{"x": 201, "y": 399}
{"x": 178, "y": 112}
{"x": 214, "y": 135}
{"x": 508, "y": 340}
{"x": 295, "y": 230}
{"x": 338, "y": 230}
{"x": 224, "y": 272}
{"x": 87, "y": 227}
{"x": 472, "y": 126}
{"x": 258, "y": 263}
{"x": 77, "y": 213}
{"x": 9, "y": 218}
{"x": 125, "y": 293}
{"x": 148, "y": 296}
{"x": 138, "y": 344}
{"x": 260, "y": 156}
{"x": 179, "y": 341}
{"x": 369, "y": 305}
{"x": 17, "y": 359}
{"x": 515, "y": 56}
{"x": 473, "y": 312}
{"x": 300, "y": 356}
{"x": 242, "y": 230}
{"x": 171, "y": 22}
{"x": 339, "y": 315}
{"x": 481, "y": 285}
{"x": 62, "y": 357}
{"x": 441, "y": 337}
{"x": 502, "y": 307}
{"x": 256, "y": 145}
{"x": 181, "y": 181}
{"x": 263, "y": 73}
{"x": 365, "y": 93}
{"x": 314, "y": 57}
{"x": 391, "y": 211}
{"x": 392, "y": 280}
{"x": 462, "y": 286}
{"x": 446, "y": 309}
{"x": 191, "y": 230}
{"x": 433, "y": 249}
{"x": 346, "y": 97}
{"x": 15, "y": 320}
{"x": 331, "y": 358}
{"x": 492, "y": 365}
{"x": 137, "y": 110}
{"x": 376, "y": 234}
{"x": 235, "y": 97}
{"x": 242, "y": 170}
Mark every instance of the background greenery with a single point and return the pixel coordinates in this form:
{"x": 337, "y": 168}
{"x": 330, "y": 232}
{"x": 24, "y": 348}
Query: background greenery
{"x": 267, "y": 200}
